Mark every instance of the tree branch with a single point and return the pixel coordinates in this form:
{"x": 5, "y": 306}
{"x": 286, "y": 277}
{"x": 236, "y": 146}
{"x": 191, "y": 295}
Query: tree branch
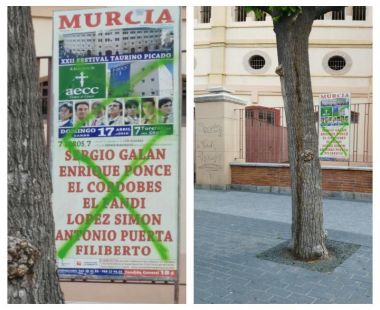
{"x": 266, "y": 9}
{"x": 262, "y": 8}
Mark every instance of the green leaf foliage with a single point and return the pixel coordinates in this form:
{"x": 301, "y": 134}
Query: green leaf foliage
{"x": 277, "y": 12}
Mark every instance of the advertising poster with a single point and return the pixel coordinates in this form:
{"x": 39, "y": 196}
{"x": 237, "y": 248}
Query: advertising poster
{"x": 334, "y": 126}
{"x": 115, "y": 142}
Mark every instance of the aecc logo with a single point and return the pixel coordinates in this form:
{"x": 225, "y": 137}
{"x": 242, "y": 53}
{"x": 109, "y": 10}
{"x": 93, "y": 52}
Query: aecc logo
{"x": 86, "y": 83}
{"x": 82, "y": 90}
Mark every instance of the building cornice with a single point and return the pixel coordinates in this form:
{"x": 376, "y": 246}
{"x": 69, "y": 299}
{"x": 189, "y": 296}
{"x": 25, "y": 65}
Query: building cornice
{"x": 250, "y": 44}
{"x": 219, "y": 94}
{"x": 276, "y": 76}
{"x": 333, "y": 25}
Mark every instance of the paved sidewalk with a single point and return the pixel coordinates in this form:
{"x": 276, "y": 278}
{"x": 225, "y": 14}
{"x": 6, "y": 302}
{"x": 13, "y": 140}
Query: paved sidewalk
{"x": 232, "y": 227}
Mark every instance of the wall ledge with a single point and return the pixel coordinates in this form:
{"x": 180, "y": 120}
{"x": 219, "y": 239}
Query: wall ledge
{"x": 278, "y": 165}
{"x": 287, "y": 191}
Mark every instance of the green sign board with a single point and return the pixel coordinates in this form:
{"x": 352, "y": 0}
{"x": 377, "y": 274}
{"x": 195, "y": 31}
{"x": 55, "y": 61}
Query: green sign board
{"x": 84, "y": 81}
{"x": 149, "y": 130}
{"x": 326, "y": 111}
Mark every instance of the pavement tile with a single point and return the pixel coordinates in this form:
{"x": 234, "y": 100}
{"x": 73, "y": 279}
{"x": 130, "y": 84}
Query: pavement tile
{"x": 252, "y": 296}
{"x": 301, "y": 289}
{"x": 219, "y": 291}
{"x": 279, "y": 300}
{"x": 258, "y": 285}
{"x": 297, "y": 298}
{"x": 279, "y": 292}
{"x": 321, "y": 293}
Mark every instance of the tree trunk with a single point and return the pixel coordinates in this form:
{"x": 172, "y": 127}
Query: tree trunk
{"x": 32, "y": 276}
{"x": 292, "y": 35}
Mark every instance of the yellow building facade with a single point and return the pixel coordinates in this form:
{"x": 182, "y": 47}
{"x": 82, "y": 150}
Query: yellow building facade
{"x": 235, "y": 57}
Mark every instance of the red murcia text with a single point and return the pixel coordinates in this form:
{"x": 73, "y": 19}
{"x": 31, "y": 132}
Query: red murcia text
{"x": 114, "y": 18}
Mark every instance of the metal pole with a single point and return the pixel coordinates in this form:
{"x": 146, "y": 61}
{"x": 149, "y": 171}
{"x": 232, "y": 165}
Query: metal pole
{"x": 50, "y": 103}
{"x": 179, "y": 122}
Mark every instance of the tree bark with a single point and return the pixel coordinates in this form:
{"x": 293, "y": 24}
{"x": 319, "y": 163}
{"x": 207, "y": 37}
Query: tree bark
{"x": 292, "y": 34}
{"x": 32, "y": 276}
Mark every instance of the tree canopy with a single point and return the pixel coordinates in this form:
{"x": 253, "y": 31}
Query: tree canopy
{"x": 277, "y": 12}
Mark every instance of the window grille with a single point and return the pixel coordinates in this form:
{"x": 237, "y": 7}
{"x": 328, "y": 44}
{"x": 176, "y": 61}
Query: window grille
{"x": 337, "y": 63}
{"x": 257, "y": 62}
{"x": 261, "y": 18}
{"x": 44, "y": 93}
{"x": 354, "y": 117}
{"x": 267, "y": 117}
{"x": 338, "y": 15}
{"x": 358, "y": 13}
{"x": 240, "y": 14}
{"x": 205, "y": 14}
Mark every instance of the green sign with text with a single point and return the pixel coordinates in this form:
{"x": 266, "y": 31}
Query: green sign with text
{"x": 150, "y": 130}
{"x": 84, "y": 81}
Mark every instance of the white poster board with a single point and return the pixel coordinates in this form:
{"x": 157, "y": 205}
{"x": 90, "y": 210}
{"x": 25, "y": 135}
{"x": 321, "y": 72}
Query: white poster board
{"x": 116, "y": 101}
{"x": 334, "y": 126}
